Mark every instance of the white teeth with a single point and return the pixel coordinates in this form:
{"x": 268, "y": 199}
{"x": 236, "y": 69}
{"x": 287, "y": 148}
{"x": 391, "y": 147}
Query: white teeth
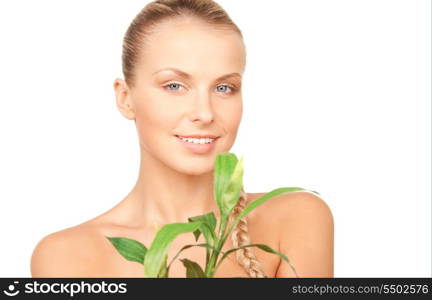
{"x": 198, "y": 141}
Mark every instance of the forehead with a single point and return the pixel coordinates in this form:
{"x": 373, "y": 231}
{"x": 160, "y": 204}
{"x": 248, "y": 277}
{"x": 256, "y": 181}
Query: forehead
{"x": 193, "y": 47}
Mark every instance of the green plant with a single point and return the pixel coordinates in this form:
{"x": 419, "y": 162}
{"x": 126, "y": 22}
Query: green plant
{"x": 228, "y": 182}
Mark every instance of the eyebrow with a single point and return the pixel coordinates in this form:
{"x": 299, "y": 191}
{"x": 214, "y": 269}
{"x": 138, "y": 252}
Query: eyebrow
{"x": 188, "y": 76}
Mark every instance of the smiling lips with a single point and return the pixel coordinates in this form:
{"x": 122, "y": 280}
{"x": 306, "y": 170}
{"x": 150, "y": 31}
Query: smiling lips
{"x": 199, "y": 144}
{"x": 199, "y": 136}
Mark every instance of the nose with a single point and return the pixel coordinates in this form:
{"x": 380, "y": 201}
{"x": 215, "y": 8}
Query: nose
{"x": 202, "y": 110}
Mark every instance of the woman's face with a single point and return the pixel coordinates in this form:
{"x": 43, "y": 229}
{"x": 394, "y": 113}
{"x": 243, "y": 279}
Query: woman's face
{"x": 167, "y": 104}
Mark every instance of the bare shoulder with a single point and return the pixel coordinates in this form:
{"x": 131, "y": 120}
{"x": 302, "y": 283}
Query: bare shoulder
{"x": 306, "y": 235}
{"x": 286, "y": 207}
{"x": 303, "y": 206}
{"x": 66, "y": 253}
{"x": 304, "y": 232}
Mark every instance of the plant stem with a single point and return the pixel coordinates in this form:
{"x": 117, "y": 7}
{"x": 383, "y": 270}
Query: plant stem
{"x": 211, "y": 266}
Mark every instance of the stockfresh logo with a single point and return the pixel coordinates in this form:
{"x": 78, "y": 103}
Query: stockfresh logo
{"x": 12, "y": 289}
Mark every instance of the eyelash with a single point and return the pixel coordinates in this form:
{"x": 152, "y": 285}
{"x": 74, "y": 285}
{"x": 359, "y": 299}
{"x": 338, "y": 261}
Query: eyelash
{"x": 233, "y": 89}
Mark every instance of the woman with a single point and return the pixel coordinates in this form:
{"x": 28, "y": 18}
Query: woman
{"x": 183, "y": 63}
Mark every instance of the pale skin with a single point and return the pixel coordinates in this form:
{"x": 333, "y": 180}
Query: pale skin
{"x": 173, "y": 183}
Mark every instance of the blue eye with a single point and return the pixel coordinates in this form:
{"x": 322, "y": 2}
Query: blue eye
{"x": 172, "y": 84}
{"x": 177, "y": 86}
{"x": 226, "y": 86}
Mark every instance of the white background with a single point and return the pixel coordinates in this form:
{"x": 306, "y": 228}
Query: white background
{"x": 336, "y": 99}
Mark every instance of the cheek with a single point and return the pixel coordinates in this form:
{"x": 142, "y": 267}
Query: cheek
{"x": 154, "y": 112}
{"x": 232, "y": 116}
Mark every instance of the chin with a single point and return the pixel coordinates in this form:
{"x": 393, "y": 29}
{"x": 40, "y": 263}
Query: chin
{"x": 195, "y": 167}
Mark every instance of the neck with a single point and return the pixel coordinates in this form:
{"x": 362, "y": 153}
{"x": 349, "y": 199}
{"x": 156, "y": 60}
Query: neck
{"x": 163, "y": 195}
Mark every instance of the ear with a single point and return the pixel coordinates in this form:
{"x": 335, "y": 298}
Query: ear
{"x": 123, "y": 99}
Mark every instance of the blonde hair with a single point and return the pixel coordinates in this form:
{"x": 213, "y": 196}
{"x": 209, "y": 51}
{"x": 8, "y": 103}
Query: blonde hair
{"x": 134, "y": 40}
{"x": 155, "y": 12}
{"x": 240, "y": 237}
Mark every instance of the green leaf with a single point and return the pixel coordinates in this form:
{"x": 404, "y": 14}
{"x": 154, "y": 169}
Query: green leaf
{"x": 264, "y": 198}
{"x": 209, "y": 218}
{"x": 163, "y": 272}
{"x": 159, "y": 248}
{"x": 130, "y": 249}
{"x": 207, "y": 228}
{"x": 195, "y": 245}
{"x": 261, "y": 200}
{"x": 224, "y": 168}
{"x": 188, "y": 246}
{"x": 193, "y": 270}
{"x": 197, "y": 234}
{"x": 263, "y": 247}
{"x": 232, "y": 191}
